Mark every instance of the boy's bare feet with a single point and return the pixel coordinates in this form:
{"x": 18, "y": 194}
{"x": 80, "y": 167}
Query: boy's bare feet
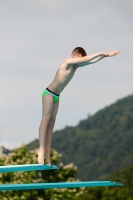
{"x": 41, "y": 156}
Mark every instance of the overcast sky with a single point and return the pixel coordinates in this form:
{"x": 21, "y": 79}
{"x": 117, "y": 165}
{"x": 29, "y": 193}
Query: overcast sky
{"x": 36, "y": 36}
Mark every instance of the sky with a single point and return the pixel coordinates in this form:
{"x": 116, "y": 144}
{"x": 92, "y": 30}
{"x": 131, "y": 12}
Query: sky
{"x": 36, "y": 36}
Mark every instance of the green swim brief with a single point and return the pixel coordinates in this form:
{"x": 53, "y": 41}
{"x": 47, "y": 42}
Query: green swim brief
{"x": 55, "y": 96}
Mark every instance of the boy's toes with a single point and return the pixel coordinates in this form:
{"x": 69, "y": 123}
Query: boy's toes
{"x": 40, "y": 160}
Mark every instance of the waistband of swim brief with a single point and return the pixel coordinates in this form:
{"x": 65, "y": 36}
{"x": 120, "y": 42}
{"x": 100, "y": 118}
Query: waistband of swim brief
{"x": 52, "y": 92}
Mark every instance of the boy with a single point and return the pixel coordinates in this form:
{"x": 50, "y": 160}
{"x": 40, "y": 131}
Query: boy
{"x": 50, "y": 96}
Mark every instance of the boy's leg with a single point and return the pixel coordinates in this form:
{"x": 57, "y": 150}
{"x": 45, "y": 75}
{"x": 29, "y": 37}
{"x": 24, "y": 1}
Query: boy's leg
{"x": 47, "y": 110}
{"x": 49, "y": 133}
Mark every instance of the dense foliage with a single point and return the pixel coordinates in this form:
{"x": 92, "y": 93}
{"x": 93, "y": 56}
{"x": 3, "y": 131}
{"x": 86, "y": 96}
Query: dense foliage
{"x": 99, "y": 144}
{"x": 125, "y": 176}
{"x": 66, "y": 173}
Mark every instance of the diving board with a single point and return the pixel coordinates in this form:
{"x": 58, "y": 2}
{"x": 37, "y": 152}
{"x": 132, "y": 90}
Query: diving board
{"x": 33, "y": 186}
{"x": 27, "y": 167}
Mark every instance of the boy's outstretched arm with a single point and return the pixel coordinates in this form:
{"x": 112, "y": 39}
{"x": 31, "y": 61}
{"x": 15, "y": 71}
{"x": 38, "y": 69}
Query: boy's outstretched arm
{"x": 86, "y": 60}
{"x": 82, "y": 60}
{"x": 97, "y": 59}
{"x": 109, "y": 54}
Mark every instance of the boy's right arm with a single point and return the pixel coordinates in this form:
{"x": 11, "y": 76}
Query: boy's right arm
{"x": 86, "y": 60}
{"x": 82, "y": 60}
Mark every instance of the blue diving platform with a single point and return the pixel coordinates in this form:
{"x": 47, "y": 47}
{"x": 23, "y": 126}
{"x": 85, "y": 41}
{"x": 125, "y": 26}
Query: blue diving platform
{"x": 27, "y": 167}
{"x": 36, "y": 186}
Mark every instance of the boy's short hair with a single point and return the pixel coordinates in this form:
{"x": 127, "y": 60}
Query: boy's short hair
{"x": 79, "y": 50}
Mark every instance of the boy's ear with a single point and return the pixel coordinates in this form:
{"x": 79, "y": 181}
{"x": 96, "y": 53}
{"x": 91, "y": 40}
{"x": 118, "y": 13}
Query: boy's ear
{"x": 73, "y": 55}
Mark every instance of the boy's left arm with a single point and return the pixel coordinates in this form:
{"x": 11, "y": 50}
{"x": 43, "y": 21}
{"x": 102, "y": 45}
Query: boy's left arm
{"x": 97, "y": 59}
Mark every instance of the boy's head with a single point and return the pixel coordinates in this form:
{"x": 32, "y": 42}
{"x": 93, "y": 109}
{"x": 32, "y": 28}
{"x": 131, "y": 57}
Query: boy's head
{"x": 78, "y": 52}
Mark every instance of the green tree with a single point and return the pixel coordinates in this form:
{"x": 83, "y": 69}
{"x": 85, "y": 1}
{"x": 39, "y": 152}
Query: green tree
{"x": 125, "y": 176}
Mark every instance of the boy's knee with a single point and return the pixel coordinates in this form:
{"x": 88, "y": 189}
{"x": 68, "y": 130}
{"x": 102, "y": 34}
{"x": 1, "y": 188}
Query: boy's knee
{"x": 46, "y": 120}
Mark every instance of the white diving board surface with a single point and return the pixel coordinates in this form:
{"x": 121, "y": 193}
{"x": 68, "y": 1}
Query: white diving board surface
{"x": 27, "y": 167}
{"x": 33, "y": 186}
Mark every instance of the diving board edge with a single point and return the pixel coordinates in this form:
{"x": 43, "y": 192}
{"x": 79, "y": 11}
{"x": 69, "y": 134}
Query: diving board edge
{"x": 26, "y": 167}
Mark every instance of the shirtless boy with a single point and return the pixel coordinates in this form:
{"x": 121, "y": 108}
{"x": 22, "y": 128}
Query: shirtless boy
{"x": 50, "y": 96}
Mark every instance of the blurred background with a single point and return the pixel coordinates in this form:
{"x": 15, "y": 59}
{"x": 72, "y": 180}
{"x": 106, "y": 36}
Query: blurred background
{"x": 36, "y": 36}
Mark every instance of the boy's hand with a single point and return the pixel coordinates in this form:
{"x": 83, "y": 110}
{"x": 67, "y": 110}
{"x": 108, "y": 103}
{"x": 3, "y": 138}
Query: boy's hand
{"x": 113, "y": 53}
{"x": 105, "y": 54}
{"x": 109, "y": 54}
